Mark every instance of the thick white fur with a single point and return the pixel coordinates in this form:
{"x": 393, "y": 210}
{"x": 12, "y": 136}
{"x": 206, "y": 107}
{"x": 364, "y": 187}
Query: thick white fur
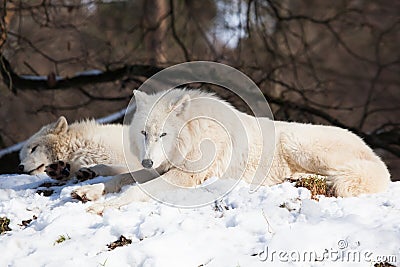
{"x": 347, "y": 162}
{"x": 81, "y": 144}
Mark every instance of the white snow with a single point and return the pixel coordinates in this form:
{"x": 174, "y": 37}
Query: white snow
{"x": 88, "y": 73}
{"x": 280, "y": 222}
{"x": 34, "y": 77}
{"x": 39, "y": 77}
{"x": 11, "y": 149}
{"x": 58, "y": 78}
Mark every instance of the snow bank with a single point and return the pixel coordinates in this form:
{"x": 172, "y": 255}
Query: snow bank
{"x": 273, "y": 226}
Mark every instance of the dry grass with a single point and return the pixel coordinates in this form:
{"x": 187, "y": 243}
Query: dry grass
{"x": 383, "y": 264}
{"x": 25, "y": 223}
{"x": 62, "y": 238}
{"x": 317, "y": 185}
{"x": 122, "y": 241}
{"x": 4, "y": 224}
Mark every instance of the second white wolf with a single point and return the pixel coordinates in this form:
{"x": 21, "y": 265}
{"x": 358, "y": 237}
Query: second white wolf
{"x": 62, "y": 150}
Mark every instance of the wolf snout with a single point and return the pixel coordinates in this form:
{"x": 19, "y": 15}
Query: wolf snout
{"x": 20, "y": 168}
{"x": 147, "y": 163}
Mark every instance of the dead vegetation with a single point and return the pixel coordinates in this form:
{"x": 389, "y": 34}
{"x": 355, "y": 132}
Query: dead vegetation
{"x": 384, "y": 264}
{"x": 122, "y": 241}
{"x": 4, "y": 225}
{"x": 47, "y": 188}
{"x": 317, "y": 186}
{"x": 62, "y": 238}
{"x": 45, "y": 192}
{"x": 25, "y": 223}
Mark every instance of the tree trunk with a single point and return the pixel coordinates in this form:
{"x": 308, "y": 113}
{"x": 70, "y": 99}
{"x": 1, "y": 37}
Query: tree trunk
{"x": 155, "y": 22}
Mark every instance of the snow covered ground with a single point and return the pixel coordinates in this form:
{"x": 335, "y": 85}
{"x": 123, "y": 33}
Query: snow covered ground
{"x": 273, "y": 226}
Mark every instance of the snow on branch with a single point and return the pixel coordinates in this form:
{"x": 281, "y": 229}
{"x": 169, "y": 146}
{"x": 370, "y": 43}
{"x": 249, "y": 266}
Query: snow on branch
{"x": 11, "y": 149}
{"x": 52, "y": 82}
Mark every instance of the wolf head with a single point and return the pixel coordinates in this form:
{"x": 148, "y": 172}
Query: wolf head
{"x": 159, "y": 127}
{"x": 42, "y": 148}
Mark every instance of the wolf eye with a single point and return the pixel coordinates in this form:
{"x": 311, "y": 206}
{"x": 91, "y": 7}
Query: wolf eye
{"x": 34, "y": 148}
{"x": 163, "y": 134}
{"x": 144, "y": 133}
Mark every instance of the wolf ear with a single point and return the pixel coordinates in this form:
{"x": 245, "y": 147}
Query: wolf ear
{"x": 180, "y": 105}
{"x": 61, "y": 125}
{"x": 140, "y": 97}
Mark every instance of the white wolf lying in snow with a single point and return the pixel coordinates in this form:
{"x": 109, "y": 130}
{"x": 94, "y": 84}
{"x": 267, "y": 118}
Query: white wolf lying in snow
{"x": 60, "y": 149}
{"x": 168, "y": 128}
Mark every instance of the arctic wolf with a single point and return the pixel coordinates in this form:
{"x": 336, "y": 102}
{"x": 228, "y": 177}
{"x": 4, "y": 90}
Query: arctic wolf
{"x": 63, "y": 150}
{"x": 169, "y": 132}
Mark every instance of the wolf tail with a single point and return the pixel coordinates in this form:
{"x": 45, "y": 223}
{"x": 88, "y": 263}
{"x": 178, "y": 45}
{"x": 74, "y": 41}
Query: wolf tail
{"x": 360, "y": 176}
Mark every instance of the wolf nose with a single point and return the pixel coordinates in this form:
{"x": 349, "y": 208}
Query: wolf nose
{"x": 147, "y": 163}
{"x": 20, "y": 168}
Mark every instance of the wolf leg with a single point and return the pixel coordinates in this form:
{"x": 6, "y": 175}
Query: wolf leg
{"x": 87, "y": 173}
{"x": 94, "y": 192}
{"x": 168, "y": 183}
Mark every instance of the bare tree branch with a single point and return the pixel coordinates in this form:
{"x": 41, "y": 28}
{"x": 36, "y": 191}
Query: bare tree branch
{"x": 174, "y": 33}
{"x": 17, "y": 82}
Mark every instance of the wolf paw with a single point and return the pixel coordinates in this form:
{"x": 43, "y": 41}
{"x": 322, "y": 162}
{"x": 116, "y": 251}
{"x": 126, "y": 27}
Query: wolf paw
{"x": 84, "y": 174}
{"x": 58, "y": 170}
{"x": 88, "y": 192}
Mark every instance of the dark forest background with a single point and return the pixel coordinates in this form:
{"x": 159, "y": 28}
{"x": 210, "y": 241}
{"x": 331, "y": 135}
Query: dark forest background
{"x": 328, "y": 62}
